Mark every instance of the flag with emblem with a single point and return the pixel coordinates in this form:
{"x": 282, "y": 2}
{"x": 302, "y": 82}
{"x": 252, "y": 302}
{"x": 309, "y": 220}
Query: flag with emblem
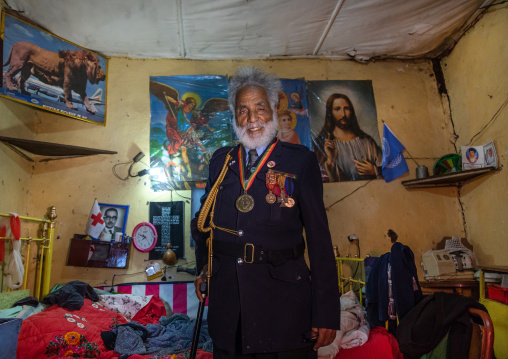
{"x": 394, "y": 163}
{"x": 96, "y": 222}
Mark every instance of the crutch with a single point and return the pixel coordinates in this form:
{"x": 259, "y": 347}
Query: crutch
{"x": 199, "y": 319}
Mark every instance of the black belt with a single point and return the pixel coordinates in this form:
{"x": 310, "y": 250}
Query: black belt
{"x": 257, "y": 254}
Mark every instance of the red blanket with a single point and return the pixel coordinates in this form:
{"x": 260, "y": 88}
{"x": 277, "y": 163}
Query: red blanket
{"x": 58, "y": 332}
{"x": 381, "y": 345}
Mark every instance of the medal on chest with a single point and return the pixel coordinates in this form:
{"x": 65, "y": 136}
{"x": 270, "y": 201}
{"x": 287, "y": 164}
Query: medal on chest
{"x": 280, "y": 188}
{"x": 245, "y": 203}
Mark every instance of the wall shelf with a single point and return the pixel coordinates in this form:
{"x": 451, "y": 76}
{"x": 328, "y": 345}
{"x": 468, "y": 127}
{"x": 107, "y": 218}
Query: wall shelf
{"x": 450, "y": 179}
{"x": 51, "y": 151}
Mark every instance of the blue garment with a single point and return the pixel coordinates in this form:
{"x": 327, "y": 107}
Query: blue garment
{"x": 406, "y": 287}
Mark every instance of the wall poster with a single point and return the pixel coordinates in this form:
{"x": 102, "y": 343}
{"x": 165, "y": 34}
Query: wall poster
{"x": 167, "y": 217}
{"x": 293, "y": 114}
{"x": 190, "y": 119}
{"x": 344, "y": 130}
{"x": 48, "y": 72}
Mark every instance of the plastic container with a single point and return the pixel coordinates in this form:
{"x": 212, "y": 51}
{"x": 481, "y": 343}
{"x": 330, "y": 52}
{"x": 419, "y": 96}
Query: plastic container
{"x": 498, "y": 293}
{"x": 9, "y": 330}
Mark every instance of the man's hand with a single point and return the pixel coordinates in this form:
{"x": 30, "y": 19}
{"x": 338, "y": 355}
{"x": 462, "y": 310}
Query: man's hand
{"x": 202, "y": 278}
{"x": 323, "y": 337}
{"x": 331, "y": 151}
{"x": 365, "y": 168}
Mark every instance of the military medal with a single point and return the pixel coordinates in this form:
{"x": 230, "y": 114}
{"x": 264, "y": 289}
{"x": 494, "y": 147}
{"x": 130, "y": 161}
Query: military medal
{"x": 289, "y": 186}
{"x": 270, "y": 164}
{"x": 271, "y": 181}
{"x": 281, "y": 179}
{"x": 245, "y": 203}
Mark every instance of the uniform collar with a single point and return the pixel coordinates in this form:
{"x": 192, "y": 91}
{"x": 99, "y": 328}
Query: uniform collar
{"x": 274, "y": 158}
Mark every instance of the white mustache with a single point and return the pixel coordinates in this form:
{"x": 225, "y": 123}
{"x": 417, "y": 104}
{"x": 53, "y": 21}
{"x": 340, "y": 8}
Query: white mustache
{"x": 253, "y": 125}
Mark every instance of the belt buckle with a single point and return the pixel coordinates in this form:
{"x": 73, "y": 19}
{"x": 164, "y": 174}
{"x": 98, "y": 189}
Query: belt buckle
{"x": 245, "y": 253}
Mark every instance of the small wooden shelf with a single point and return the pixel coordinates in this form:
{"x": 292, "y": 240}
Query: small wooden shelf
{"x": 52, "y": 151}
{"x": 448, "y": 180}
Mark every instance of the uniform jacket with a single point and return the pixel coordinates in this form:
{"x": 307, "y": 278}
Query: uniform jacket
{"x": 406, "y": 287}
{"x": 277, "y": 304}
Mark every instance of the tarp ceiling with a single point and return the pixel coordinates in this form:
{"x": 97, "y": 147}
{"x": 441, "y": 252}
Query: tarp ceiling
{"x": 253, "y": 29}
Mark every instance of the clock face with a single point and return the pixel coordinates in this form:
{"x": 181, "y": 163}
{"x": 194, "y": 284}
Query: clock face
{"x": 144, "y": 237}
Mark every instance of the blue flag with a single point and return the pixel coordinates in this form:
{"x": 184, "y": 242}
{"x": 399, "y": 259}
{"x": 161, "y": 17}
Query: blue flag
{"x": 394, "y": 163}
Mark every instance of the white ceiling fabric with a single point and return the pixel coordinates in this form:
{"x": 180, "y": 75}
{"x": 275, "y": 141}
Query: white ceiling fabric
{"x": 253, "y": 29}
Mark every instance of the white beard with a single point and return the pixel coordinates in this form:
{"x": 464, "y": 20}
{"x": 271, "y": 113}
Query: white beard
{"x": 258, "y": 141}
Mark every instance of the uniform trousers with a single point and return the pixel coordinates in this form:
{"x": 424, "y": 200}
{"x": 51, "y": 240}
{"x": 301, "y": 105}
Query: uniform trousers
{"x": 306, "y": 352}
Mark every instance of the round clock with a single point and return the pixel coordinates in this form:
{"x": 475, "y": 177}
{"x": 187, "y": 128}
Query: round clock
{"x": 144, "y": 237}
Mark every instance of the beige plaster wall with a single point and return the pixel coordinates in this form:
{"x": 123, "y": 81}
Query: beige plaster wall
{"x": 406, "y": 98}
{"x": 476, "y": 75}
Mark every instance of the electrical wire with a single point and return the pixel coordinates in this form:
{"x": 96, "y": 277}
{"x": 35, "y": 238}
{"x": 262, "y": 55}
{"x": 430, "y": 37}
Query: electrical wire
{"x": 357, "y": 266}
{"x": 119, "y": 275}
{"x": 490, "y": 122}
{"x": 117, "y": 175}
{"x": 346, "y": 196}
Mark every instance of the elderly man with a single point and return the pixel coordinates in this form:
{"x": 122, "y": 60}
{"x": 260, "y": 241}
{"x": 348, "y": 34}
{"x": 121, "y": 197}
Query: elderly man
{"x": 261, "y": 194}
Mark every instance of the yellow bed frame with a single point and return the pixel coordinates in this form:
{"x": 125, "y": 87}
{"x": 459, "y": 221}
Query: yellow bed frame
{"x": 343, "y": 279}
{"x": 44, "y": 252}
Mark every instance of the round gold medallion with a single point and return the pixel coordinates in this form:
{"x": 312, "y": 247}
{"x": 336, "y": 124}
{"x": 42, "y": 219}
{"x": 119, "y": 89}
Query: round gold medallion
{"x": 244, "y": 203}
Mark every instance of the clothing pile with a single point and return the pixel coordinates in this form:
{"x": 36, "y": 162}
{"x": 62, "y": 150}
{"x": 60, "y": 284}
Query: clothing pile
{"x": 354, "y": 329}
{"x": 172, "y": 335}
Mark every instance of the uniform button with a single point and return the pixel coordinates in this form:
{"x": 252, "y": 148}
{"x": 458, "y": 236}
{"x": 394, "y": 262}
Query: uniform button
{"x": 239, "y": 260}
{"x": 262, "y": 252}
{"x": 240, "y": 233}
{"x": 298, "y": 277}
{"x": 221, "y": 187}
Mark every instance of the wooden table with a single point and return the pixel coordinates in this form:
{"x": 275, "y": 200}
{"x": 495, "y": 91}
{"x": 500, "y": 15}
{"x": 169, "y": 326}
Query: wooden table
{"x": 467, "y": 288}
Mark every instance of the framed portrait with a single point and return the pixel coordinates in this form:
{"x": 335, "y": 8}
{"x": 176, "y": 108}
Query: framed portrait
{"x": 344, "y": 130}
{"x": 115, "y": 219}
{"x": 45, "y": 71}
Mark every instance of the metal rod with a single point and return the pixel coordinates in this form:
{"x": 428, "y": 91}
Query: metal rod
{"x": 328, "y": 26}
{"x": 199, "y": 319}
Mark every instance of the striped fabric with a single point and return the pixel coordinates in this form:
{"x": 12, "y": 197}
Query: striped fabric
{"x": 179, "y": 295}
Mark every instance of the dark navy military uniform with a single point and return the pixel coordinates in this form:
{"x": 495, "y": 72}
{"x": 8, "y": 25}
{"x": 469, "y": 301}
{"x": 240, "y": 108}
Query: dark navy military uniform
{"x": 273, "y": 299}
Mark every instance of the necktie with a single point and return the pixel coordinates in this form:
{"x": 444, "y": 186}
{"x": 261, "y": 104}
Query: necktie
{"x": 253, "y": 156}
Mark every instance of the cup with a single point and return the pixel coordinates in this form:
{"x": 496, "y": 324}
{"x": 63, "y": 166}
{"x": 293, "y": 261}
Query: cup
{"x": 422, "y": 172}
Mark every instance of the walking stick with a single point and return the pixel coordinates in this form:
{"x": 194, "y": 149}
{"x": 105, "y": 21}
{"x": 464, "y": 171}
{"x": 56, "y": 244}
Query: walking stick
{"x": 199, "y": 319}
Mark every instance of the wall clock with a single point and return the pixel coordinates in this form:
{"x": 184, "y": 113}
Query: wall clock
{"x": 144, "y": 237}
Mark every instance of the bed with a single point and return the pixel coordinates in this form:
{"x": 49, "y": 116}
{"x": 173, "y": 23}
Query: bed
{"x": 86, "y": 332}
{"x": 148, "y": 320}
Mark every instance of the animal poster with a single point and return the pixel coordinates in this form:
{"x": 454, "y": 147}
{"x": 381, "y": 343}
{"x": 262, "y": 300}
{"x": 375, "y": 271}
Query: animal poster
{"x": 168, "y": 220}
{"x": 344, "y": 130}
{"x": 45, "y": 71}
{"x": 293, "y": 114}
{"x": 190, "y": 119}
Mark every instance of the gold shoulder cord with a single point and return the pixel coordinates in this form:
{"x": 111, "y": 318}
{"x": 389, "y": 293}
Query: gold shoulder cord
{"x": 208, "y": 207}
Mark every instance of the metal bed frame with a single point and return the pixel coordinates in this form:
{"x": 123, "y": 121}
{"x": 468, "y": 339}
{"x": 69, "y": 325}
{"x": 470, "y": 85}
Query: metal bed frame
{"x": 343, "y": 279}
{"x": 44, "y": 252}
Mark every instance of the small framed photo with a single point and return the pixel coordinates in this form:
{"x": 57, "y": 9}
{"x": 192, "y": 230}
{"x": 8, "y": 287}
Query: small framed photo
{"x": 115, "y": 219}
{"x": 43, "y": 70}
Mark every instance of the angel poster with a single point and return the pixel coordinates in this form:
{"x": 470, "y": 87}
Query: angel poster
{"x": 190, "y": 119}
